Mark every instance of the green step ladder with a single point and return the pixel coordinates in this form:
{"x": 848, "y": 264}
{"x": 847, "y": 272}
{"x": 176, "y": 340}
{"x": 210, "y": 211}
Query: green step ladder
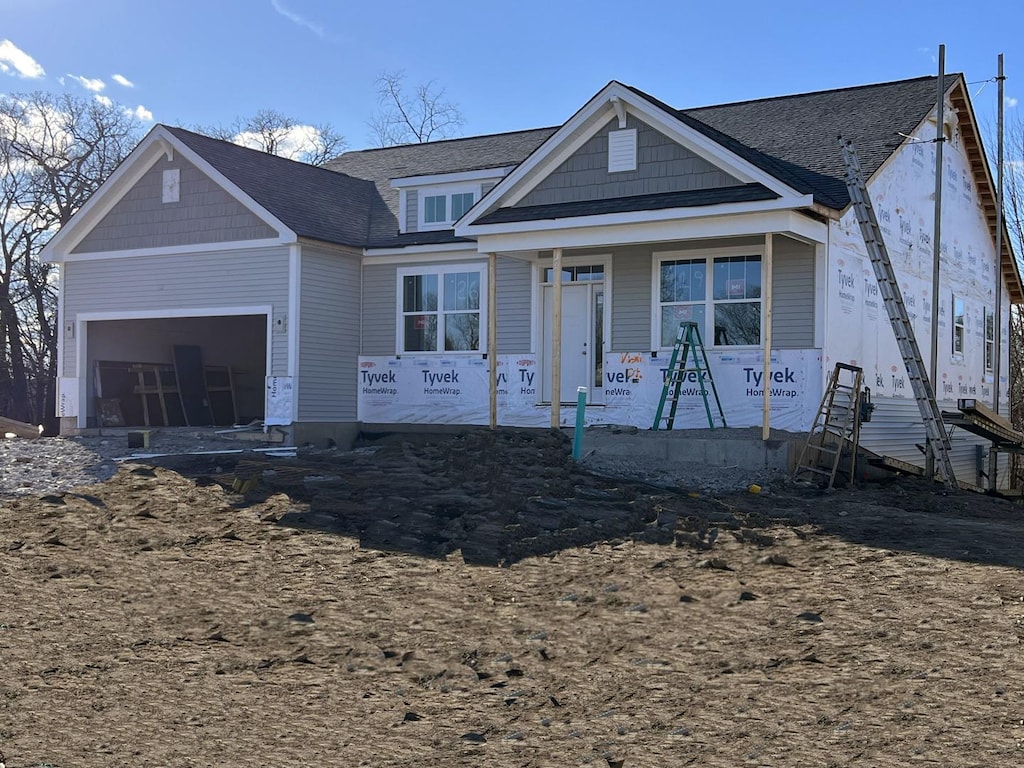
{"x": 687, "y": 341}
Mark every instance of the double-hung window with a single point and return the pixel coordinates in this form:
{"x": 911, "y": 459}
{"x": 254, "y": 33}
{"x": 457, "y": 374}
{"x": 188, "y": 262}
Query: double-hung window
{"x": 441, "y": 208}
{"x": 722, "y": 294}
{"x": 440, "y": 308}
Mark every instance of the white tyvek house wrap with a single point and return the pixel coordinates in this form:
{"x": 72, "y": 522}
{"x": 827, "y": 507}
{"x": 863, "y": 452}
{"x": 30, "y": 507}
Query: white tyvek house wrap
{"x": 455, "y": 390}
{"x": 858, "y": 328}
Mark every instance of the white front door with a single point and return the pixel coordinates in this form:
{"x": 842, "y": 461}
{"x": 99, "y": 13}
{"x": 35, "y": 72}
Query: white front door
{"x": 581, "y": 348}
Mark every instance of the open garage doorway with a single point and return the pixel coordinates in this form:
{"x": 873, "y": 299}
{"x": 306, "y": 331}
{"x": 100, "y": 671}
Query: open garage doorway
{"x": 176, "y": 371}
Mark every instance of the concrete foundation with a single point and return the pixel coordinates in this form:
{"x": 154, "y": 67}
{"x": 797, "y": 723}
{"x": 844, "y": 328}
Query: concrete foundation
{"x": 741, "y": 448}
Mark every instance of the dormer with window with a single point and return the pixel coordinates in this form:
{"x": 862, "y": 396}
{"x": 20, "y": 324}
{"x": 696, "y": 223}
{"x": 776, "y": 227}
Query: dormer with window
{"x": 436, "y": 202}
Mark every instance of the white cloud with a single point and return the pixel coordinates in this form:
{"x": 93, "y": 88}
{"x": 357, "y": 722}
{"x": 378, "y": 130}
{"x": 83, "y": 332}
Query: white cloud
{"x": 298, "y": 139}
{"x": 12, "y": 57}
{"x": 90, "y": 84}
{"x": 140, "y": 113}
{"x": 122, "y": 80}
{"x": 1010, "y": 101}
{"x": 295, "y": 18}
{"x": 106, "y": 101}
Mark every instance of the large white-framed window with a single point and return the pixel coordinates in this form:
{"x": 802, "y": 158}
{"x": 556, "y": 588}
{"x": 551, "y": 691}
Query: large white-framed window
{"x": 442, "y": 308}
{"x": 718, "y": 290}
{"x": 959, "y": 325}
{"x": 440, "y": 208}
{"x": 990, "y": 341}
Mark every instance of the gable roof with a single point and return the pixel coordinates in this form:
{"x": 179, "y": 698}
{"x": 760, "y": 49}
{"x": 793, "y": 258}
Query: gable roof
{"x": 313, "y": 202}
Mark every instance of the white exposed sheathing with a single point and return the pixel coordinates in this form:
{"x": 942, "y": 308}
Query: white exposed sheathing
{"x": 858, "y": 328}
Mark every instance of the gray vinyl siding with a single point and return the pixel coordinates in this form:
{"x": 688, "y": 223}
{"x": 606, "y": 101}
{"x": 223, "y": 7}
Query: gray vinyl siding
{"x": 328, "y": 335}
{"x": 514, "y": 299}
{"x": 412, "y": 210}
{"x": 380, "y": 291}
{"x": 380, "y": 296}
{"x": 199, "y": 281}
{"x": 896, "y": 429}
{"x": 663, "y": 165}
{"x": 631, "y": 300}
{"x": 792, "y": 294}
{"x": 205, "y": 213}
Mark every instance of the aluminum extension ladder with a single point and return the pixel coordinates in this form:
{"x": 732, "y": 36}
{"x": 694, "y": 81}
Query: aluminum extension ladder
{"x": 938, "y": 440}
{"x": 836, "y": 426}
{"x": 687, "y": 341}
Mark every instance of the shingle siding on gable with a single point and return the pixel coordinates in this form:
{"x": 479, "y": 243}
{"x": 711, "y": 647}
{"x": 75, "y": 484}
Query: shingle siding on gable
{"x": 206, "y": 213}
{"x": 412, "y": 210}
{"x": 662, "y": 166}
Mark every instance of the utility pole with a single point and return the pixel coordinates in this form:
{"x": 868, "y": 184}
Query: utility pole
{"x": 940, "y": 138}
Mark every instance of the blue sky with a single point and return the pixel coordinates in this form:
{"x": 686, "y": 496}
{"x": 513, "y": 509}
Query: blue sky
{"x": 509, "y": 65}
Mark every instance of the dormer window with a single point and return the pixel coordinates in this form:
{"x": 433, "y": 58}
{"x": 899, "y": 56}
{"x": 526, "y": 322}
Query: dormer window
{"x": 440, "y": 209}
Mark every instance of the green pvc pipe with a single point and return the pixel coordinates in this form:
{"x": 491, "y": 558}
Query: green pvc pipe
{"x": 581, "y": 409}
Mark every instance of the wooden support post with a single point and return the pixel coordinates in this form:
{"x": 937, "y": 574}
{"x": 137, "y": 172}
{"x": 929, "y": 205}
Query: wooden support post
{"x": 556, "y": 338}
{"x": 492, "y": 333}
{"x": 766, "y": 297}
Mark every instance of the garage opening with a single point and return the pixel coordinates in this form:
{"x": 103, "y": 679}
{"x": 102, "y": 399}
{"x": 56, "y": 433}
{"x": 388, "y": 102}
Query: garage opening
{"x": 176, "y": 372}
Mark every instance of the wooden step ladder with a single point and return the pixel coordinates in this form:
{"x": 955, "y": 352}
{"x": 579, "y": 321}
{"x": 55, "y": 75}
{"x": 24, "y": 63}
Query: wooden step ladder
{"x": 688, "y": 344}
{"x": 836, "y": 428}
{"x": 938, "y": 439}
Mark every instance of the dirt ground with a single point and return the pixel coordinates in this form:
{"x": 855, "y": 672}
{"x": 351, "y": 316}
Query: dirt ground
{"x": 480, "y": 600}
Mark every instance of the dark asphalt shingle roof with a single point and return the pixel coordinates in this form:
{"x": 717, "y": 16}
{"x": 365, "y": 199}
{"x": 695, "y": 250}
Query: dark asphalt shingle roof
{"x": 795, "y": 138}
{"x": 311, "y": 201}
{"x": 685, "y": 199}
{"x": 350, "y": 199}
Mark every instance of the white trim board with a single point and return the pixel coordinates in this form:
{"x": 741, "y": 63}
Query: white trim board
{"x": 572, "y": 235}
{"x": 81, "y": 340}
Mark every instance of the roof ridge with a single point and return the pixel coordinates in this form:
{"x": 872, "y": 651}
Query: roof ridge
{"x": 262, "y": 153}
{"x": 446, "y": 141}
{"x": 819, "y": 92}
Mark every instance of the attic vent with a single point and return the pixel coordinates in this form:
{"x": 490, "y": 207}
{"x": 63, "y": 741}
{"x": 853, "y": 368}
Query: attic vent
{"x": 622, "y": 150}
{"x": 171, "y": 185}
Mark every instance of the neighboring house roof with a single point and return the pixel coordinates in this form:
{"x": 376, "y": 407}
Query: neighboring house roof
{"x": 313, "y": 202}
{"x": 436, "y": 157}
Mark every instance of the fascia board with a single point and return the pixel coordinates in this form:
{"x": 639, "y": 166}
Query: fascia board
{"x": 451, "y": 178}
{"x": 178, "y": 250}
{"x": 665, "y": 231}
{"x": 629, "y": 217}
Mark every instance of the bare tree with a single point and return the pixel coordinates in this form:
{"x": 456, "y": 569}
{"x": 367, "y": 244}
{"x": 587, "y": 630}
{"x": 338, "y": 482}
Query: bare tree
{"x": 55, "y": 151}
{"x": 403, "y": 118}
{"x": 273, "y": 132}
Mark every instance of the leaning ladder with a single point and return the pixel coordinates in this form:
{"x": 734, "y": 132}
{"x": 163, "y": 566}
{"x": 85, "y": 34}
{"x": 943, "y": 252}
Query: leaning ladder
{"x": 938, "y": 440}
{"x": 687, "y": 341}
{"x": 836, "y": 426}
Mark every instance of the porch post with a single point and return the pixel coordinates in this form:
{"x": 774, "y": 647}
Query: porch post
{"x": 492, "y": 333}
{"x": 766, "y": 278}
{"x": 556, "y": 338}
